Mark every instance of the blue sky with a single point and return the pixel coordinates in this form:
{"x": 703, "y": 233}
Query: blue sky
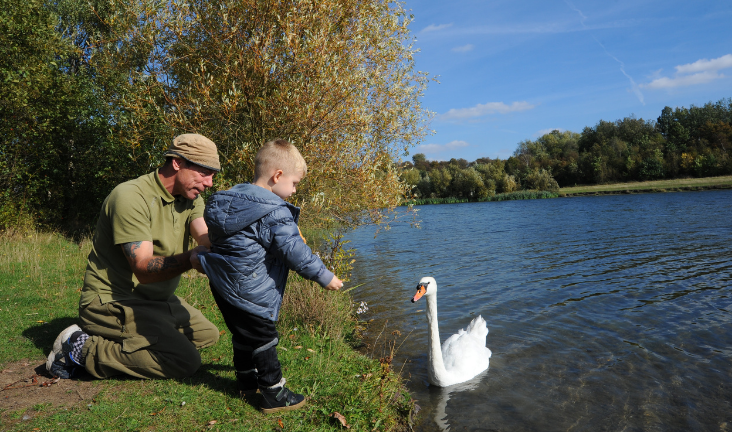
{"x": 513, "y": 70}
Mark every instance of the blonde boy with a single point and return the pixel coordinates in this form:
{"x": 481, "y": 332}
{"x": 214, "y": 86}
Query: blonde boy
{"x": 255, "y": 241}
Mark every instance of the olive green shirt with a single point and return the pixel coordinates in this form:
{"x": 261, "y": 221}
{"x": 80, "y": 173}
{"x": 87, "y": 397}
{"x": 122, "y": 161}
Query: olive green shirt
{"x": 137, "y": 210}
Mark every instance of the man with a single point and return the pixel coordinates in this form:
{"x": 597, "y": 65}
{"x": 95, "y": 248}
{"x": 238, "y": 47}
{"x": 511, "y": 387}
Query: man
{"x": 131, "y": 321}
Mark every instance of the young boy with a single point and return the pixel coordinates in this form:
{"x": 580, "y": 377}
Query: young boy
{"x": 255, "y": 241}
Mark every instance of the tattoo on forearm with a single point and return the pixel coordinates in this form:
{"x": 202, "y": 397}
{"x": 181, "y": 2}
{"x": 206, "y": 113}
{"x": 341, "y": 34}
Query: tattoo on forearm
{"x": 131, "y": 248}
{"x": 159, "y": 264}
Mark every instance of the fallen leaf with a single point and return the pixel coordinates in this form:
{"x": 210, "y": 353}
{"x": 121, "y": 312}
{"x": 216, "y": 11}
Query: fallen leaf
{"x": 338, "y": 416}
{"x": 212, "y": 422}
{"x": 156, "y": 413}
{"x": 298, "y": 347}
{"x": 311, "y": 350}
{"x": 283, "y": 348}
{"x": 222, "y": 332}
{"x": 279, "y": 422}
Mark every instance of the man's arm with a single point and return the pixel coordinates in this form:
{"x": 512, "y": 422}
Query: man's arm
{"x": 199, "y": 232}
{"x": 149, "y": 268}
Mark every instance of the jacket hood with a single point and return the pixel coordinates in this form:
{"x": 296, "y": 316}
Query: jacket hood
{"x": 230, "y": 211}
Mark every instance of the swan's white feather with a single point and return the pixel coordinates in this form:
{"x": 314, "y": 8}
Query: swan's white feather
{"x": 465, "y": 354}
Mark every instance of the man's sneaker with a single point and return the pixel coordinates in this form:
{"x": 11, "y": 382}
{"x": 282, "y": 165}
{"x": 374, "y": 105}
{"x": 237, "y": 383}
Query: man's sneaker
{"x": 280, "y": 398}
{"x": 61, "y": 361}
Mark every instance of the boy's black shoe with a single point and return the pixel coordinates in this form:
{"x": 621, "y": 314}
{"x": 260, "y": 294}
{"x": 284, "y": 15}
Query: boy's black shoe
{"x": 280, "y": 399}
{"x": 246, "y": 382}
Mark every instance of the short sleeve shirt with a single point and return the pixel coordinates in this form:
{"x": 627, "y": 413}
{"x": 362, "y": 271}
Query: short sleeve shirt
{"x": 137, "y": 210}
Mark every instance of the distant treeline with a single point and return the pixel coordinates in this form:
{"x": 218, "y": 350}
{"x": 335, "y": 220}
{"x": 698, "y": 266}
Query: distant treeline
{"x": 682, "y": 142}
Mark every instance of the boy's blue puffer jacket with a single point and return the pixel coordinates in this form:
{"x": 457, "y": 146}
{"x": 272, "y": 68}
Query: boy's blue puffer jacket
{"x": 255, "y": 242}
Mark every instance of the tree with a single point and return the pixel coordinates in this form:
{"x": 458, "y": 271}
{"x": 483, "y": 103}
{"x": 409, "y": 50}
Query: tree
{"x": 53, "y": 166}
{"x": 335, "y": 77}
{"x": 419, "y": 158}
{"x": 541, "y": 180}
{"x": 411, "y": 177}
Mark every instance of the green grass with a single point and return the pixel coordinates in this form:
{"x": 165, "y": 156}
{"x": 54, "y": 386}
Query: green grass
{"x": 722, "y": 182}
{"x": 40, "y": 278}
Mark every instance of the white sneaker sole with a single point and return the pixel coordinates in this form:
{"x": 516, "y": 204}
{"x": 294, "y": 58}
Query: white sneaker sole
{"x": 57, "y": 348}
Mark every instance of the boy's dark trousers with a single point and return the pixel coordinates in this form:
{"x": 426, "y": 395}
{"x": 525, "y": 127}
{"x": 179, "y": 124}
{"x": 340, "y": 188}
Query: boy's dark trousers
{"x": 255, "y": 342}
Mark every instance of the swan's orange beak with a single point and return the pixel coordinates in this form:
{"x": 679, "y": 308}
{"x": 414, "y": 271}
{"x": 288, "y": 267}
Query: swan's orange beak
{"x": 421, "y": 290}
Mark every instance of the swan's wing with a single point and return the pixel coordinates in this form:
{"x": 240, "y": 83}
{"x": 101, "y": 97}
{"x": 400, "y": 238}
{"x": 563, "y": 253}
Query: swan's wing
{"x": 465, "y": 352}
{"x": 478, "y": 329}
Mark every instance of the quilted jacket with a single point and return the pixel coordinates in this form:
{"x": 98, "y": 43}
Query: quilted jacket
{"x": 255, "y": 242}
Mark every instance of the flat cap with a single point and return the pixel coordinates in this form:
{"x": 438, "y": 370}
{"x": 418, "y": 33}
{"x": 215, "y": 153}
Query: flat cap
{"x": 196, "y": 149}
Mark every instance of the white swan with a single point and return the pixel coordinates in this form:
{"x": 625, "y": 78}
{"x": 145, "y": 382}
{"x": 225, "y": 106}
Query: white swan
{"x": 463, "y": 355}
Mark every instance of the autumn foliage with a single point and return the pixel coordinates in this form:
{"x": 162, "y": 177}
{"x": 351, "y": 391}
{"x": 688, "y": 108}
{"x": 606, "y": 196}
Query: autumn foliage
{"x": 334, "y": 77}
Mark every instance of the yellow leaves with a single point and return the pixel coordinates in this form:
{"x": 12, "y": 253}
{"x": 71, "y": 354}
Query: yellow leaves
{"x": 336, "y": 78}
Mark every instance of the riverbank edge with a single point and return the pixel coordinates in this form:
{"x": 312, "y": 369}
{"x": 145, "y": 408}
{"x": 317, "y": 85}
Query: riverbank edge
{"x": 643, "y": 190}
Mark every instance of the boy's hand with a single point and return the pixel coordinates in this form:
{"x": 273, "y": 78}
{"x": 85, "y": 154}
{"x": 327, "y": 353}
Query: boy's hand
{"x": 195, "y": 262}
{"x": 335, "y": 284}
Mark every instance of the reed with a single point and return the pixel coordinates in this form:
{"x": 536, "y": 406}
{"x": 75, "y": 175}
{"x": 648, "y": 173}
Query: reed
{"x": 518, "y": 195}
{"x": 521, "y": 195}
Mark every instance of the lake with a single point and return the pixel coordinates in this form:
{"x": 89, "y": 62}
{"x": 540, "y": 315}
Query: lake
{"x": 605, "y": 313}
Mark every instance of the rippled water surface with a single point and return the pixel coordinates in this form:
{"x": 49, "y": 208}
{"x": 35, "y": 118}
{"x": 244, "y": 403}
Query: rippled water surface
{"x": 605, "y": 313}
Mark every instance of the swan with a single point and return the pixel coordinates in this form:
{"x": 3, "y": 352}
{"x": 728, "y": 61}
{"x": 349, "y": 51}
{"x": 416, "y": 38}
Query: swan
{"x": 463, "y": 355}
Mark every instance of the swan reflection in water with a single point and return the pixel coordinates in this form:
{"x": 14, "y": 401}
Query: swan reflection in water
{"x": 440, "y": 396}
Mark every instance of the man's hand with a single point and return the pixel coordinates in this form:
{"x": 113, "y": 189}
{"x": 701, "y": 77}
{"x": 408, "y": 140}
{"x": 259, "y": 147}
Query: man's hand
{"x": 335, "y": 284}
{"x": 195, "y": 262}
{"x": 149, "y": 268}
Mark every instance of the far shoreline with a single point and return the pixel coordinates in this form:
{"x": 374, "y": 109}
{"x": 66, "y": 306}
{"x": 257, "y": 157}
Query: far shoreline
{"x": 652, "y": 186}
{"x": 629, "y": 188}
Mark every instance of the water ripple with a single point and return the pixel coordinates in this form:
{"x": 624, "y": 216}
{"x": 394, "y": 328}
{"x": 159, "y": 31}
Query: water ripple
{"x": 605, "y": 313}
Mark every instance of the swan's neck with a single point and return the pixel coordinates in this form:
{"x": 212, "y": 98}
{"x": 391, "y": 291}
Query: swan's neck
{"x": 437, "y": 370}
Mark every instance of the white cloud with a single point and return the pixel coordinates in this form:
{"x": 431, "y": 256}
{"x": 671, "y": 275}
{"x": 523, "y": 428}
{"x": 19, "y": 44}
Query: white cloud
{"x": 464, "y": 48}
{"x": 684, "y": 80}
{"x": 700, "y": 72}
{"x": 436, "y": 27}
{"x": 439, "y": 148}
{"x": 705, "y": 65}
{"x": 481, "y": 110}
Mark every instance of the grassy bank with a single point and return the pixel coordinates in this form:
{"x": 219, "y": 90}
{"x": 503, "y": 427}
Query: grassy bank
{"x": 40, "y": 279}
{"x": 724, "y": 182}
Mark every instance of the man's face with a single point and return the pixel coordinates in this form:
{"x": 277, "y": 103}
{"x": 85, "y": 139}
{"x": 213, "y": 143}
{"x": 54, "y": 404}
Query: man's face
{"x": 191, "y": 180}
{"x": 286, "y": 185}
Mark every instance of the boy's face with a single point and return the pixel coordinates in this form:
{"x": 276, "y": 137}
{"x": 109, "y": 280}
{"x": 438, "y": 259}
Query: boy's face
{"x": 285, "y": 184}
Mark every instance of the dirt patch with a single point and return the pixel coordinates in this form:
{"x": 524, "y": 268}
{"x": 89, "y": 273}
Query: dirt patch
{"x": 26, "y": 391}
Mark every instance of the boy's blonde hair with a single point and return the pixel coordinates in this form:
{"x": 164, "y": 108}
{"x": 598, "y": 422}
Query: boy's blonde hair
{"x": 278, "y": 154}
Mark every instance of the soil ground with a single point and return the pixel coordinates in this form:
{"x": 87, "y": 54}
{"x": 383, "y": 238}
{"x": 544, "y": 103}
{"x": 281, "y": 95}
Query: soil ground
{"x": 27, "y": 390}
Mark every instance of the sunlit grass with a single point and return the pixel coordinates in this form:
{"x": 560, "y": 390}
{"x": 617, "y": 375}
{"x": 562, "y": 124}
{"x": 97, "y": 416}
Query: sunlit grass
{"x": 40, "y": 279}
{"x": 650, "y": 186}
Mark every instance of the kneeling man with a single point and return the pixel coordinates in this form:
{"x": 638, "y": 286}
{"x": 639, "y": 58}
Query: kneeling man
{"x": 131, "y": 321}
